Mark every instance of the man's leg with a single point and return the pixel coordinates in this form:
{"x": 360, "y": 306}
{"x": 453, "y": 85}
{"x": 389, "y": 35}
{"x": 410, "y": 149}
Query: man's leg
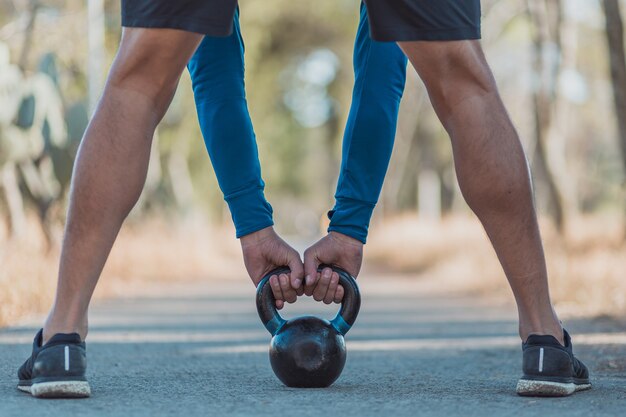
{"x": 112, "y": 163}
{"x": 440, "y": 39}
{"x": 492, "y": 170}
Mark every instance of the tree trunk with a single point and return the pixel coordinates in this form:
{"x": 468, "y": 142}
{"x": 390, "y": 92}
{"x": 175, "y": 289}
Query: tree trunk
{"x": 563, "y": 120}
{"x": 97, "y": 52}
{"x": 404, "y": 150}
{"x": 546, "y": 17}
{"x": 182, "y": 185}
{"x": 429, "y": 195}
{"x": 14, "y": 200}
{"x": 617, "y": 58}
{"x": 33, "y": 8}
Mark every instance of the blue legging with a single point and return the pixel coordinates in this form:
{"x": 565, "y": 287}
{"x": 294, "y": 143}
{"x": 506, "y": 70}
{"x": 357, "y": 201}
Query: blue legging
{"x": 217, "y": 73}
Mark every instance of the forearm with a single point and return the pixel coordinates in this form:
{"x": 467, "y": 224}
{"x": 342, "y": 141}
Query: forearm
{"x": 367, "y": 148}
{"x": 217, "y": 72}
{"x": 380, "y": 74}
{"x": 231, "y": 144}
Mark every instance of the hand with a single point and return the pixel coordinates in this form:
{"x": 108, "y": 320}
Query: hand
{"x": 334, "y": 249}
{"x": 264, "y": 251}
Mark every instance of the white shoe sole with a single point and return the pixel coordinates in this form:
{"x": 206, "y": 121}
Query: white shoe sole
{"x": 58, "y": 389}
{"x": 530, "y": 388}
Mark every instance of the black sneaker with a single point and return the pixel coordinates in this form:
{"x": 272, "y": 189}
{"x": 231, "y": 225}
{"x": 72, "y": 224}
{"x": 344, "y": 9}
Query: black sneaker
{"x": 57, "y": 369}
{"x": 550, "y": 369}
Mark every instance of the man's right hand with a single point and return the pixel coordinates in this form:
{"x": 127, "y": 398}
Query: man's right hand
{"x": 264, "y": 251}
{"x": 334, "y": 249}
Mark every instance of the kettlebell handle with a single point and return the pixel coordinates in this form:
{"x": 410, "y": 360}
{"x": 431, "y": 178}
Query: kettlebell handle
{"x": 343, "y": 321}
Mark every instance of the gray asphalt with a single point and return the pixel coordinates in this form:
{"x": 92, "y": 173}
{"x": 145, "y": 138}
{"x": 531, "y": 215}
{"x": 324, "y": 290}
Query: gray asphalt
{"x": 199, "y": 349}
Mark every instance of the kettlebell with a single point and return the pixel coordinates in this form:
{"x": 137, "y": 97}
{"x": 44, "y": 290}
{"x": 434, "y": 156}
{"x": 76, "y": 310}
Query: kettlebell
{"x": 308, "y": 351}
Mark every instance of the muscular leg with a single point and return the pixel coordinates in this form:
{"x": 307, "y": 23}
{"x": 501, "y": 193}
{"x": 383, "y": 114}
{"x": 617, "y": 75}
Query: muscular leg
{"x": 492, "y": 170}
{"x": 112, "y": 163}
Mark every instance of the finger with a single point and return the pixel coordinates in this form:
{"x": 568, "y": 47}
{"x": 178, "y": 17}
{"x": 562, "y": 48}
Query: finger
{"x": 308, "y": 289}
{"x": 339, "y": 294}
{"x": 322, "y": 285}
{"x": 297, "y": 271}
{"x": 278, "y": 294}
{"x": 310, "y": 271}
{"x": 332, "y": 288}
{"x": 289, "y": 294}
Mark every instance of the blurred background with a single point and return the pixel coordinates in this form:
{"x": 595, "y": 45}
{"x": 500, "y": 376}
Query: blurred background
{"x": 561, "y": 69}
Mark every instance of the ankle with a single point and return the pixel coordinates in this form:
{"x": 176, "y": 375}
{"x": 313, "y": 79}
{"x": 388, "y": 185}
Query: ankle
{"x": 54, "y": 326}
{"x": 552, "y": 329}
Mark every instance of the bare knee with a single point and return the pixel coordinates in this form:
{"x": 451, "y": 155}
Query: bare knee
{"x": 150, "y": 62}
{"x": 134, "y": 75}
{"x": 452, "y": 71}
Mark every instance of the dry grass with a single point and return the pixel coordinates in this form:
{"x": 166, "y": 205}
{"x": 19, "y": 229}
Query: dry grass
{"x": 587, "y": 268}
{"x": 150, "y": 251}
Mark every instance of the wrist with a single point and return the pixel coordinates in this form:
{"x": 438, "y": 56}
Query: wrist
{"x": 345, "y": 239}
{"x": 351, "y": 218}
{"x": 255, "y": 238}
{"x": 250, "y": 210}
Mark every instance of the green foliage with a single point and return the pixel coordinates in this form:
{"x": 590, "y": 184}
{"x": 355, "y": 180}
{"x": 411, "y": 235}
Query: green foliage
{"x": 300, "y": 162}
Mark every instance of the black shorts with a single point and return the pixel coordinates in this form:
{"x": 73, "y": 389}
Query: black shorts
{"x": 423, "y": 20}
{"x": 209, "y": 17}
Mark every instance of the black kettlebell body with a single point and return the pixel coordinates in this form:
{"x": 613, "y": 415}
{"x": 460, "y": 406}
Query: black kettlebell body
{"x": 308, "y": 352}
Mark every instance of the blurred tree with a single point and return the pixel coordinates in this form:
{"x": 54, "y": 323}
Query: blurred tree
{"x": 96, "y": 57}
{"x": 299, "y": 79}
{"x": 33, "y": 8}
{"x": 552, "y": 51}
{"x": 617, "y": 59}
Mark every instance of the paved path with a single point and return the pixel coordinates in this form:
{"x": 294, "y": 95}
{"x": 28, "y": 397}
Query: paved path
{"x": 201, "y": 351}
